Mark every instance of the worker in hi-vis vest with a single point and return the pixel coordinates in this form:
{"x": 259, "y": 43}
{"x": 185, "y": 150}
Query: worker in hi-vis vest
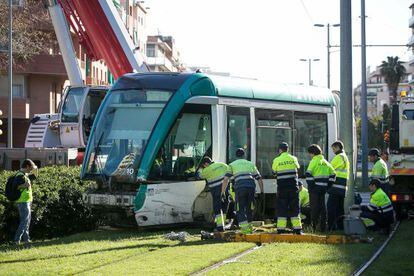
{"x": 245, "y": 173}
{"x": 337, "y": 192}
{"x": 305, "y": 214}
{"x": 379, "y": 169}
{"x": 379, "y": 213}
{"x": 285, "y": 168}
{"x": 214, "y": 173}
{"x": 319, "y": 175}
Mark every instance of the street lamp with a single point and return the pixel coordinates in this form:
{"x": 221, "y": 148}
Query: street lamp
{"x": 327, "y": 47}
{"x": 309, "y": 60}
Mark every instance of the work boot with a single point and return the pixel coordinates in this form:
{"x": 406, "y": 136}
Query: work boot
{"x": 298, "y": 232}
{"x": 281, "y": 231}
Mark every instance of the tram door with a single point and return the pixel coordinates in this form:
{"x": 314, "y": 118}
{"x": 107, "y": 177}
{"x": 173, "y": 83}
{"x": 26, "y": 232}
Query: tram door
{"x": 272, "y": 128}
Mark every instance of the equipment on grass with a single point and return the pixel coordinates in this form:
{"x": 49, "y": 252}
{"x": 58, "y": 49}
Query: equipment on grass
{"x": 180, "y": 236}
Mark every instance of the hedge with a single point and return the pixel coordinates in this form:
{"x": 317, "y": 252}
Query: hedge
{"x": 58, "y": 208}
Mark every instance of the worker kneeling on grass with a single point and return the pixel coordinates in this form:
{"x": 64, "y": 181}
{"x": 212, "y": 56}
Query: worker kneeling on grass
{"x": 285, "y": 168}
{"x": 379, "y": 213}
{"x": 214, "y": 173}
{"x": 245, "y": 173}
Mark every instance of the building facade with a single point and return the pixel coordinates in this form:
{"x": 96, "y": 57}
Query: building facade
{"x": 162, "y": 54}
{"x": 378, "y": 93}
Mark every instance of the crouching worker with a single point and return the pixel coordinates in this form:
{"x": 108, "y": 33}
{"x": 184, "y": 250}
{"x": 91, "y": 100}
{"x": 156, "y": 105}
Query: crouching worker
{"x": 245, "y": 173}
{"x": 305, "y": 211}
{"x": 214, "y": 173}
{"x": 379, "y": 213}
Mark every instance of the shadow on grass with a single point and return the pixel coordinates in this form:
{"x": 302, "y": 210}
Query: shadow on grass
{"x": 98, "y": 235}
{"x": 151, "y": 247}
{"x": 103, "y": 236}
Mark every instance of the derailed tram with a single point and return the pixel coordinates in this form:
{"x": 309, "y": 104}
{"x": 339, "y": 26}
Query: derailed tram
{"x": 152, "y": 131}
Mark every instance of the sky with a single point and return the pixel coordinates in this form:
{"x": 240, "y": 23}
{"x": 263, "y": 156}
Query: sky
{"x": 265, "y": 39}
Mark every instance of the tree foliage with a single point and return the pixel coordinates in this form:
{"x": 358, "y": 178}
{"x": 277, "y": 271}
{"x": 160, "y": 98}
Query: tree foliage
{"x": 375, "y": 136}
{"x": 393, "y": 72}
{"x": 32, "y": 31}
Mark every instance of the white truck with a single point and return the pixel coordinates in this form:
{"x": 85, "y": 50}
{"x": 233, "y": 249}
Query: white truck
{"x": 401, "y": 159}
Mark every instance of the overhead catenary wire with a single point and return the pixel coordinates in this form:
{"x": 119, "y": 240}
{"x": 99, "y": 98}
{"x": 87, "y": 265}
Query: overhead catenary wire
{"x": 232, "y": 259}
{"x": 306, "y": 11}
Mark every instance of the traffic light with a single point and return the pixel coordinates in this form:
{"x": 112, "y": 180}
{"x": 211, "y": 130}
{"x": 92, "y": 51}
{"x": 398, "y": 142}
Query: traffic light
{"x": 1, "y": 122}
{"x": 387, "y": 136}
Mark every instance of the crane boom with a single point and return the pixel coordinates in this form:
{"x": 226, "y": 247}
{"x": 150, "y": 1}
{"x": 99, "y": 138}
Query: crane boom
{"x": 65, "y": 42}
{"x": 104, "y": 35}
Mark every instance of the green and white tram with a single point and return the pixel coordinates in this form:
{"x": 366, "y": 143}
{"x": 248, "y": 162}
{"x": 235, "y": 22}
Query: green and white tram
{"x": 152, "y": 131}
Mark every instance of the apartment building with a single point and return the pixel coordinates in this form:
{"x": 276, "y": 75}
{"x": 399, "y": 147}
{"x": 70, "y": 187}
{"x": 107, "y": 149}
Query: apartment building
{"x": 39, "y": 82}
{"x": 162, "y": 54}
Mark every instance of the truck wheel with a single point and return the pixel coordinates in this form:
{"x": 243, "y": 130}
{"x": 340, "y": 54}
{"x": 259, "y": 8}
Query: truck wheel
{"x": 400, "y": 212}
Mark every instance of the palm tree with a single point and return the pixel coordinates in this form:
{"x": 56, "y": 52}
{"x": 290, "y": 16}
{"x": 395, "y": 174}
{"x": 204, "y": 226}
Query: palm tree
{"x": 393, "y": 72}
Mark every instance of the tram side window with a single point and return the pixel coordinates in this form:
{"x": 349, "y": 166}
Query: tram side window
{"x": 311, "y": 128}
{"x": 186, "y": 144}
{"x": 272, "y": 128}
{"x": 238, "y": 131}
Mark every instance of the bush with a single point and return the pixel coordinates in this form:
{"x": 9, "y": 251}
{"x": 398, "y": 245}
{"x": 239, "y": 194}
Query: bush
{"x": 58, "y": 208}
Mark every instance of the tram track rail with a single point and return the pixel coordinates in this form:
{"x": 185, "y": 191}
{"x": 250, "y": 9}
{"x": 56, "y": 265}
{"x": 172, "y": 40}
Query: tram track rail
{"x": 232, "y": 259}
{"x": 377, "y": 253}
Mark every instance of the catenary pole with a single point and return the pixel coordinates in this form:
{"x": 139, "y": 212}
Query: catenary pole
{"x": 329, "y": 55}
{"x": 346, "y": 120}
{"x": 364, "y": 115}
{"x": 10, "y": 112}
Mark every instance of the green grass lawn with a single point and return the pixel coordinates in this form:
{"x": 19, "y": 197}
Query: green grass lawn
{"x": 115, "y": 252}
{"x": 300, "y": 259}
{"x": 133, "y": 252}
{"x": 398, "y": 257}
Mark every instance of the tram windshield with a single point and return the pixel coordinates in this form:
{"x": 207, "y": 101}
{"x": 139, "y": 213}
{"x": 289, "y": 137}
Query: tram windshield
{"x": 124, "y": 127}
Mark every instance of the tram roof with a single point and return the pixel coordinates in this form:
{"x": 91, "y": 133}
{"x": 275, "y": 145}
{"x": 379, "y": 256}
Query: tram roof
{"x": 260, "y": 90}
{"x": 230, "y": 87}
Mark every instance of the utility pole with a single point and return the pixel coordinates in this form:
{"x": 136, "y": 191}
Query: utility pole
{"x": 309, "y": 60}
{"x": 346, "y": 127}
{"x": 328, "y": 46}
{"x": 328, "y": 57}
{"x": 364, "y": 115}
{"x": 10, "y": 113}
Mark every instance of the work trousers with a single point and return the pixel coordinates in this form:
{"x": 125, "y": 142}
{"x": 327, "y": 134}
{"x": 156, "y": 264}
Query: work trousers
{"x": 218, "y": 204}
{"x": 287, "y": 203}
{"x": 22, "y": 233}
{"x": 318, "y": 210}
{"x": 288, "y": 208}
{"x": 244, "y": 202}
{"x": 381, "y": 220}
{"x": 335, "y": 209}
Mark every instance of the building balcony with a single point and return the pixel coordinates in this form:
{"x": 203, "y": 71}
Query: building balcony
{"x": 163, "y": 62}
{"x": 411, "y": 22}
{"x": 411, "y": 41}
{"x": 411, "y": 60}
